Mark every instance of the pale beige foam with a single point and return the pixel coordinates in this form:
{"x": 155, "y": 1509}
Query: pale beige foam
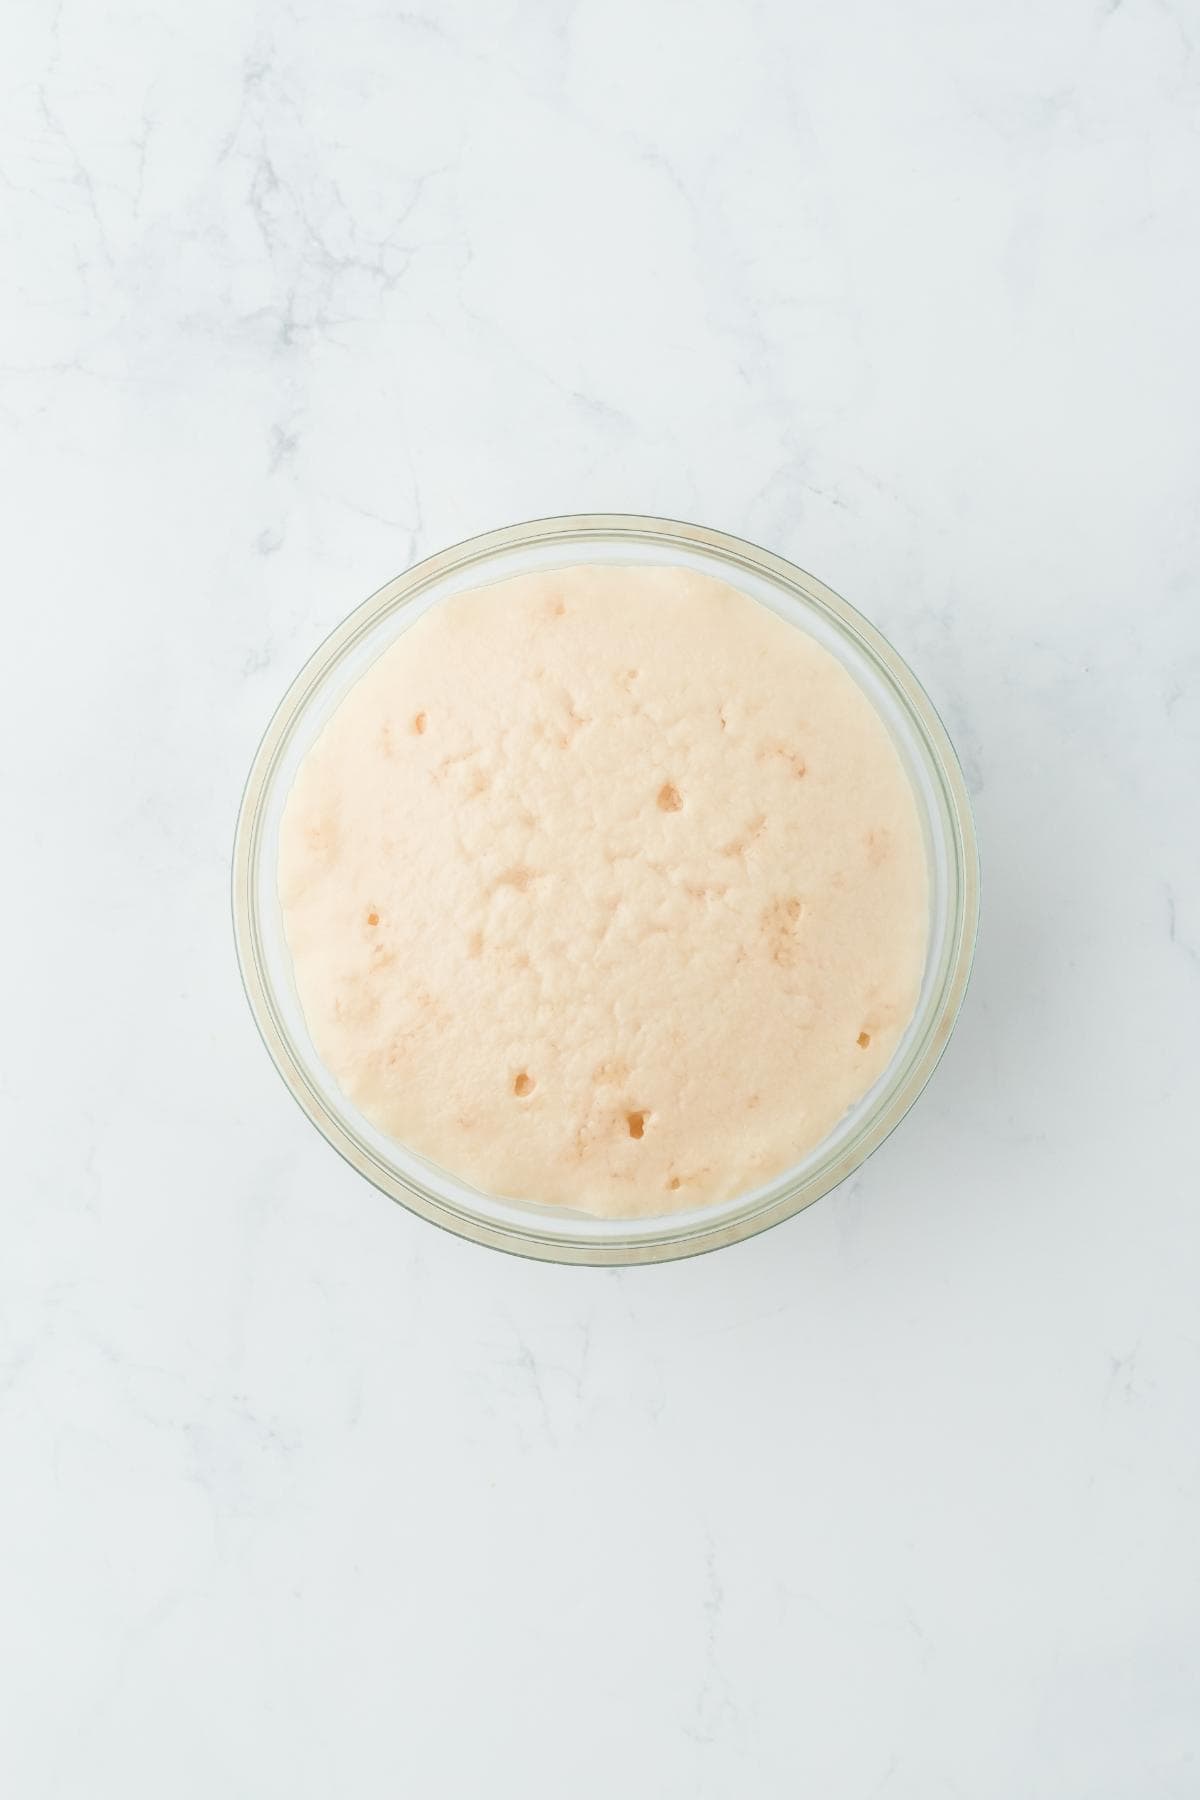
{"x": 605, "y": 888}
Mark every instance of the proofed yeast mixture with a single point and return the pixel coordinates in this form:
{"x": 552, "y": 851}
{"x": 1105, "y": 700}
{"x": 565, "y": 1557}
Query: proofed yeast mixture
{"x": 605, "y": 887}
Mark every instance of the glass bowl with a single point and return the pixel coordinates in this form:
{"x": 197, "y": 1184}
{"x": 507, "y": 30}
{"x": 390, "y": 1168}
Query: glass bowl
{"x": 562, "y": 1235}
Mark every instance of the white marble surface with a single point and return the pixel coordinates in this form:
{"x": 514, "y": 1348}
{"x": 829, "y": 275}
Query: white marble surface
{"x": 302, "y": 1498}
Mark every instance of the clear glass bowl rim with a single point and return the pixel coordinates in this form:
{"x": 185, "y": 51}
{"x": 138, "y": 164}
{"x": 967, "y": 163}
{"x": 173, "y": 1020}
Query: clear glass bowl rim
{"x": 674, "y": 1235}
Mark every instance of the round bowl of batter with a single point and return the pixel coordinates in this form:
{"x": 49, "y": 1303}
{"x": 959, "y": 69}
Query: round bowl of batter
{"x": 951, "y": 881}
